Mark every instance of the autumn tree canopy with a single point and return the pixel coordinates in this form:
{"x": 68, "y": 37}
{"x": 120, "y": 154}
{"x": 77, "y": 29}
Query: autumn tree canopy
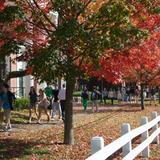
{"x": 85, "y": 32}
{"x": 140, "y": 62}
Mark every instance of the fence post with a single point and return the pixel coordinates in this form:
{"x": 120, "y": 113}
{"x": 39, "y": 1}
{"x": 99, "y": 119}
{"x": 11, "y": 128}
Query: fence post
{"x": 153, "y": 116}
{"x": 97, "y": 143}
{"x": 144, "y": 136}
{"x": 128, "y": 147}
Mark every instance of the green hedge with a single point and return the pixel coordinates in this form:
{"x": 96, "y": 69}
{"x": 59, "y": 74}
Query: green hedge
{"x": 21, "y": 103}
{"x": 77, "y": 94}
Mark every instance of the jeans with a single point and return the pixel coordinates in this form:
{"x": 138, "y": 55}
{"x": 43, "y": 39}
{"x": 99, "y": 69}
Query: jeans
{"x": 62, "y": 102}
{"x": 56, "y": 107}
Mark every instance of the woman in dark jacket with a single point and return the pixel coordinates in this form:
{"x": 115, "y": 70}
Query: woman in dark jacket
{"x": 33, "y": 103}
{"x": 85, "y": 98}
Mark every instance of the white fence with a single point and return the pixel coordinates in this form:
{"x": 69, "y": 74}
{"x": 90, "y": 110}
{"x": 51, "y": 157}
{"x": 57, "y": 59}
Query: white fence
{"x": 149, "y": 132}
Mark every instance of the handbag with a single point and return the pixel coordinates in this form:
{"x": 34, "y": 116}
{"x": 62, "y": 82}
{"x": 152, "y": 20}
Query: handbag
{"x": 49, "y": 107}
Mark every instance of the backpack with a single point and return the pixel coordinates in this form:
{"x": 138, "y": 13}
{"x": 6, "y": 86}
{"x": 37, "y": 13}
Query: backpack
{"x": 94, "y": 95}
{"x": 85, "y": 95}
{"x": 11, "y": 97}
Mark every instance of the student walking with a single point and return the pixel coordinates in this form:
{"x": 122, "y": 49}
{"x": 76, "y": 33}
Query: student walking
{"x": 55, "y": 104}
{"x": 62, "y": 98}
{"x": 94, "y": 97}
{"x": 119, "y": 96}
{"x": 105, "y": 95}
{"x": 111, "y": 96}
{"x": 49, "y": 94}
{"x": 7, "y": 99}
{"x": 33, "y": 103}
{"x": 85, "y": 98}
{"x": 43, "y": 106}
{"x": 137, "y": 94}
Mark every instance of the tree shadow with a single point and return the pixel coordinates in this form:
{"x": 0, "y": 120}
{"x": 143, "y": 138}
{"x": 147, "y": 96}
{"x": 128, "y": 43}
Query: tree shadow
{"x": 111, "y": 109}
{"x": 19, "y": 118}
{"x": 13, "y": 148}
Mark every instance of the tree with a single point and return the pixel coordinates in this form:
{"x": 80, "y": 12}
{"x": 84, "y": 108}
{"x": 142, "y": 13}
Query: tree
{"x": 12, "y": 35}
{"x": 139, "y": 63}
{"x": 85, "y": 30}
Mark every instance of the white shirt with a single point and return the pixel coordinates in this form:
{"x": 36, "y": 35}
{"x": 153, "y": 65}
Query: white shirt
{"x": 62, "y": 94}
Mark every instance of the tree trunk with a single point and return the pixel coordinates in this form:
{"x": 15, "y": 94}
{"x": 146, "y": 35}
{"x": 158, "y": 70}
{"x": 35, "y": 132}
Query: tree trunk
{"x": 159, "y": 95}
{"x": 2, "y": 70}
{"x": 68, "y": 123}
{"x": 142, "y": 97}
{"x": 59, "y": 82}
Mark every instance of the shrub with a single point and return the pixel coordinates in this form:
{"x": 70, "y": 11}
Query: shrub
{"x": 77, "y": 94}
{"x": 21, "y": 103}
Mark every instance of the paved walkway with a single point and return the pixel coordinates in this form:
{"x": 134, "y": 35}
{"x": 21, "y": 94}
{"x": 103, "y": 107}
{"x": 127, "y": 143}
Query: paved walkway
{"x": 34, "y": 126}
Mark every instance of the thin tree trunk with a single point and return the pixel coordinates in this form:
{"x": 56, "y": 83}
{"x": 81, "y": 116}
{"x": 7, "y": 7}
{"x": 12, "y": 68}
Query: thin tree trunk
{"x": 2, "y": 70}
{"x": 68, "y": 125}
{"x": 142, "y": 97}
{"x": 159, "y": 95}
{"x": 59, "y": 82}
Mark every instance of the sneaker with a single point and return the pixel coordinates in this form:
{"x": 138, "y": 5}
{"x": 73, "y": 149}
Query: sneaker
{"x": 39, "y": 122}
{"x": 5, "y": 129}
{"x": 29, "y": 121}
{"x": 9, "y": 128}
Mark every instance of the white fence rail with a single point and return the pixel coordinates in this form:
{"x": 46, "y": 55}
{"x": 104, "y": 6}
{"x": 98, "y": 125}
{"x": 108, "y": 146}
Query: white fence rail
{"x": 101, "y": 152}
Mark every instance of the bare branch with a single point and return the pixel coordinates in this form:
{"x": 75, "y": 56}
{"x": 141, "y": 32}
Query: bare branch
{"x": 45, "y": 15}
{"x": 15, "y": 74}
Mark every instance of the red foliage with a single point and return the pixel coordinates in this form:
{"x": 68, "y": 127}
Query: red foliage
{"x": 142, "y": 62}
{"x": 2, "y": 42}
{"x": 2, "y": 5}
{"x": 29, "y": 70}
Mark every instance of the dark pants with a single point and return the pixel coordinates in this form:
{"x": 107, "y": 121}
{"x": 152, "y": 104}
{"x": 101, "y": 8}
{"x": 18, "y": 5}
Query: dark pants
{"x": 62, "y": 102}
{"x": 112, "y": 101}
{"x": 105, "y": 99}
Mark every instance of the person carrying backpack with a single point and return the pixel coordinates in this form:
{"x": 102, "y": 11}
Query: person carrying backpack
{"x": 7, "y": 98}
{"x": 94, "y": 97}
{"x": 56, "y": 104}
{"x": 33, "y": 98}
{"x": 85, "y": 97}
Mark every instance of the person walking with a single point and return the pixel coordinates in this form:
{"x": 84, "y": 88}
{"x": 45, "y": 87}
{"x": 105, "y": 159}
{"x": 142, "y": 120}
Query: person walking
{"x": 119, "y": 96}
{"x": 137, "y": 94}
{"x": 85, "y": 98}
{"x": 105, "y": 95}
{"x": 43, "y": 106}
{"x": 55, "y": 104}
{"x": 49, "y": 94}
{"x": 111, "y": 96}
{"x": 33, "y": 103}
{"x": 7, "y": 99}
{"x": 62, "y": 98}
{"x": 153, "y": 96}
{"x": 94, "y": 97}
{"x": 128, "y": 94}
